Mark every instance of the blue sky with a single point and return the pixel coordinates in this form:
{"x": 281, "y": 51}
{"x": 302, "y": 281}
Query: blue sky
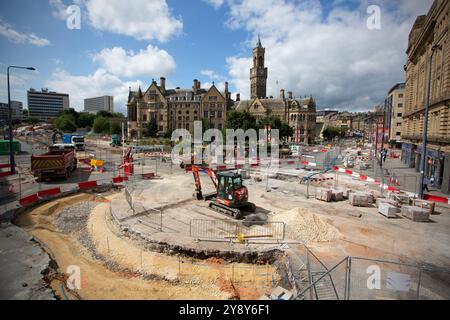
{"x": 313, "y": 47}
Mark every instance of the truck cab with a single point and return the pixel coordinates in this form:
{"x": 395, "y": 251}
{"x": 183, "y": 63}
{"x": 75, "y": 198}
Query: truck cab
{"x": 77, "y": 140}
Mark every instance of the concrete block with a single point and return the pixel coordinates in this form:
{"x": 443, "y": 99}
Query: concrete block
{"x": 337, "y": 195}
{"x": 345, "y": 192}
{"x": 383, "y": 200}
{"x": 416, "y": 214}
{"x": 323, "y": 195}
{"x": 424, "y": 204}
{"x": 400, "y": 197}
{"x": 388, "y": 210}
{"x": 360, "y": 199}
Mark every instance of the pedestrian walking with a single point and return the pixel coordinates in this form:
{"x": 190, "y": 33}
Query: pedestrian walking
{"x": 425, "y": 185}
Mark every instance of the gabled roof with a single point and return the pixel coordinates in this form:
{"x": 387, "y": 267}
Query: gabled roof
{"x": 271, "y": 104}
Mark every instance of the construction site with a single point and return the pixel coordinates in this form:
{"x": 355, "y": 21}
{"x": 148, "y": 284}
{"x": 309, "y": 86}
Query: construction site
{"x": 145, "y": 227}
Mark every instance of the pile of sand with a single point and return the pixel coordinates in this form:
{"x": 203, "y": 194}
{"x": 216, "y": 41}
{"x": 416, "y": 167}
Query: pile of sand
{"x": 306, "y": 226}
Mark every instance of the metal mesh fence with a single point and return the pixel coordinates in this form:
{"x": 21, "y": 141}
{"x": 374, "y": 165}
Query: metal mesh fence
{"x": 236, "y": 230}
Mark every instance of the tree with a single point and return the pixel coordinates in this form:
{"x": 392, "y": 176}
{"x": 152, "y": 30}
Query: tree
{"x": 31, "y": 120}
{"x": 116, "y": 128}
{"x": 66, "y": 123}
{"x": 105, "y": 114}
{"x": 151, "y": 129}
{"x": 85, "y": 120}
{"x": 241, "y": 120}
{"x": 102, "y": 125}
{"x": 330, "y": 133}
{"x": 285, "y": 131}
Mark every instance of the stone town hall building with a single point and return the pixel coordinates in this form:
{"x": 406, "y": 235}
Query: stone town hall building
{"x": 179, "y": 108}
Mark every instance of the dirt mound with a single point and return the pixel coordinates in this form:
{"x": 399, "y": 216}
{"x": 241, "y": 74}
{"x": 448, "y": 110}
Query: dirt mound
{"x": 306, "y": 226}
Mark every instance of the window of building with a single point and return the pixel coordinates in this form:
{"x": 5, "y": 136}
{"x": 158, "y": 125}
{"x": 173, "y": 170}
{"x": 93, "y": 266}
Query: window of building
{"x": 219, "y": 114}
{"x": 188, "y": 118}
{"x": 179, "y": 111}
{"x": 400, "y": 105}
{"x": 400, "y": 96}
{"x": 399, "y": 133}
{"x": 144, "y": 118}
{"x": 180, "y": 118}
{"x": 399, "y": 114}
{"x": 213, "y": 114}
{"x": 212, "y": 98}
{"x": 187, "y": 126}
{"x": 220, "y": 126}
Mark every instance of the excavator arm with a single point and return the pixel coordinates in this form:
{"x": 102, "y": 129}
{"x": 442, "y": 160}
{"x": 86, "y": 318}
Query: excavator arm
{"x": 198, "y": 184}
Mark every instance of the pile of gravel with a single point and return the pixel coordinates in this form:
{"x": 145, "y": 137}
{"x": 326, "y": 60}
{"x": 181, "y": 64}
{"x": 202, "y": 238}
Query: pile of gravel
{"x": 74, "y": 218}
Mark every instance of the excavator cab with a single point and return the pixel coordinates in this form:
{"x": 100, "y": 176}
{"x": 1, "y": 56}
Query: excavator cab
{"x": 230, "y": 190}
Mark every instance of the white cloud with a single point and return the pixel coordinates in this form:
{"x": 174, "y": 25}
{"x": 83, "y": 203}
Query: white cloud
{"x": 97, "y": 84}
{"x": 149, "y": 62}
{"x": 215, "y": 3}
{"x": 140, "y": 19}
{"x": 332, "y": 55}
{"x": 7, "y": 31}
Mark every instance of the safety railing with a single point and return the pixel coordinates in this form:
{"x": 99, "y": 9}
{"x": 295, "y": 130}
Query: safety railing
{"x": 228, "y": 230}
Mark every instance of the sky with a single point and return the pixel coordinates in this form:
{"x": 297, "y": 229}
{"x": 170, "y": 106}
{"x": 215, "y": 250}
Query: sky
{"x": 344, "y": 53}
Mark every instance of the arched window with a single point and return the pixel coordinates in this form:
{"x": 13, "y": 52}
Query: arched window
{"x": 261, "y": 61}
{"x": 302, "y": 130}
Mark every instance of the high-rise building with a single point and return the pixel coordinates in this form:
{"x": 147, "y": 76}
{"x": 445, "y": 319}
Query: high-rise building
{"x": 46, "y": 105}
{"x": 17, "y": 111}
{"x": 394, "y": 109}
{"x": 94, "y": 105}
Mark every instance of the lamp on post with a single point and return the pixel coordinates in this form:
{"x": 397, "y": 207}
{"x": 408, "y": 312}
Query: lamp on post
{"x": 11, "y": 149}
{"x": 434, "y": 48}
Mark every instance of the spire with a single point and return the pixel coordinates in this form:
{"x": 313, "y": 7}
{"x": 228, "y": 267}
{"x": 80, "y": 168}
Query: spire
{"x": 140, "y": 95}
{"x": 258, "y": 44}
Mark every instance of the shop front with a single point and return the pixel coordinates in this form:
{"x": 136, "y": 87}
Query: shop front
{"x": 408, "y": 154}
{"x": 434, "y": 165}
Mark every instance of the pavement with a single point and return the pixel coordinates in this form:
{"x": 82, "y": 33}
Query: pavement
{"x": 407, "y": 177}
{"x": 23, "y": 264}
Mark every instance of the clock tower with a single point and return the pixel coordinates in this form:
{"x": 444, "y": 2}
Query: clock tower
{"x": 258, "y": 74}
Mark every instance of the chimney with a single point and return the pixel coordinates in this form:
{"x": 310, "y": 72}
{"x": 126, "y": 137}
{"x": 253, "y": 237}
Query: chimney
{"x": 196, "y": 86}
{"x": 227, "y": 95}
{"x": 163, "y": 84}
{"x": 238, "y": 97}
{"x": 290, "y": 94}
{"x": 282, "y": 94}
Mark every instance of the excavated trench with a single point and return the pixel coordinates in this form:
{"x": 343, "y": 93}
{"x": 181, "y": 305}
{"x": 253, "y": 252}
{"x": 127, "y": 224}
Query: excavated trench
{"x": 164, "y": 271}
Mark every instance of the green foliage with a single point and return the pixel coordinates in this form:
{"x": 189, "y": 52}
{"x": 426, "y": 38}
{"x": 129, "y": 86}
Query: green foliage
{"x": 85, "y": 120}
{"x": 102, "y": 125}
{"x": 240, "y": 120}
{"x": 116, "y": 128}
{"x": 285, "y": 130}
{"x": 151, "y": 129}
{"x": 31, "y": 120}
{"x": 104, "y": 114}
{"x": 66, "y": 123}
{"x": 332, "y": 132}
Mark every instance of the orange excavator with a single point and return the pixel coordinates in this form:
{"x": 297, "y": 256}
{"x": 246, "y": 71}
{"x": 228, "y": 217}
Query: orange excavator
{"x": 231, "y": 196}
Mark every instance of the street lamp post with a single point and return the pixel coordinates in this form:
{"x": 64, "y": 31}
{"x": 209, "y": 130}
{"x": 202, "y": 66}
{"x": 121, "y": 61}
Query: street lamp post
{"x": 425, "y": 128}
{"x": 11, "y": 149}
